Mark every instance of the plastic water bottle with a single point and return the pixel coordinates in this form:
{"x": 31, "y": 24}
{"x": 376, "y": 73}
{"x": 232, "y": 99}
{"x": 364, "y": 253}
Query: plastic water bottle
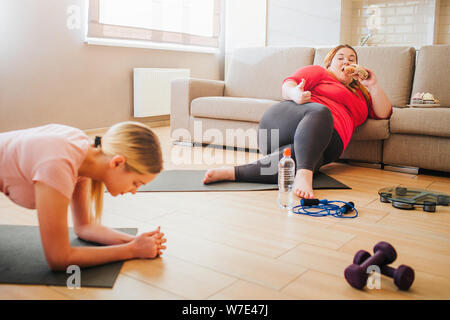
{"x": 286, "y": 175}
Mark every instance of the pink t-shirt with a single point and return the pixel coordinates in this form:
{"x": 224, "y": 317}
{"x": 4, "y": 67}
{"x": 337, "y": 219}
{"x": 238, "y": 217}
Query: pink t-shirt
{"x": 51, "y": 154}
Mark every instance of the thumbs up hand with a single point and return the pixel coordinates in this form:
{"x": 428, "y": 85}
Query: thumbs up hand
{"x": 301, "y": 85}
{"x": 298, "y": 95}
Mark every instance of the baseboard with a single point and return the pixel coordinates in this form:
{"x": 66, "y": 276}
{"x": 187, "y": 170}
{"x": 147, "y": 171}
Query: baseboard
{"x": 394, "y": 168}
{"x": 158, "y": 123}
{"x": 151, "y": 123}
{"x": 183, "y": 143}
{"x": 435, "y": 173}
{"x": 403, "y": 169}
{"x": 364, "y": 164}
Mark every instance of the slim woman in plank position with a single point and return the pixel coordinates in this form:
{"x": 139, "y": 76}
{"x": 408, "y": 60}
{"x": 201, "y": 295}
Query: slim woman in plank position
{"x": 322, "y": 108}
{"x": 51, "y": 167}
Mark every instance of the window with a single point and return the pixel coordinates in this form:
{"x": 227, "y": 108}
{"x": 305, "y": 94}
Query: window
{"x": 184, "y": 22}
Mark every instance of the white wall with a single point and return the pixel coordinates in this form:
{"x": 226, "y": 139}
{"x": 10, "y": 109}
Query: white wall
{"x": 245, "y": 25}
{"x": 304, "y": 22}
{"x": 346, "y": 22}
{"x": 329, "y": 22}
{"x": 48, "y": 74}
{"x": 398, "y": 22}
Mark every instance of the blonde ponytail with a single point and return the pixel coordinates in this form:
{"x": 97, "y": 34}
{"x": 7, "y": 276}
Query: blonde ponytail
{"x": 97, "y": 191}
{"x": 138, "y": 144}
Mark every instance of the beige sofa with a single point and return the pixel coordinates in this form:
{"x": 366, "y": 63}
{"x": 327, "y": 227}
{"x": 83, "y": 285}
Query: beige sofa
{"x": 228, "y": 112}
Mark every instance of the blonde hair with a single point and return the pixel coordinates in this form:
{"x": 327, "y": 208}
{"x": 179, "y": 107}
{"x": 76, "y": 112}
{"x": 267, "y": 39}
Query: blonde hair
{"x": 141, "y": 148}
{"x": 355, "y": 84}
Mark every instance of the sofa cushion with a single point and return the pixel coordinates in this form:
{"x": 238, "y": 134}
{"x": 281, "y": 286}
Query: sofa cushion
{"x": 393, "y": 67}
{"x": 367, "y": 151}
{"x": 433, "y": 68}
{"x": 230, "y": 108}
{"x": 259, "y": 72}
{"x": 421, "y": 121}
{"x": 372, "y": 130}
{"x": 241, "y": 134}
{"x": 417, "y": 151}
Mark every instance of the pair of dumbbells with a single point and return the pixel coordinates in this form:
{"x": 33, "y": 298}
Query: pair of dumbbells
{"x": 384, "y": 254}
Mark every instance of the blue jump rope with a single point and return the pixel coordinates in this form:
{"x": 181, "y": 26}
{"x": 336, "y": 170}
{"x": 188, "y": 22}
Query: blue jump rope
{"x": 323, "y": 208}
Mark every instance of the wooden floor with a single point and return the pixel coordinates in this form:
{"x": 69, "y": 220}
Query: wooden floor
{"x": 239, "y": 245}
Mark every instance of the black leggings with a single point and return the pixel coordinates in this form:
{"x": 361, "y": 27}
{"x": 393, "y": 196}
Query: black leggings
{"x": 307, "y": 129}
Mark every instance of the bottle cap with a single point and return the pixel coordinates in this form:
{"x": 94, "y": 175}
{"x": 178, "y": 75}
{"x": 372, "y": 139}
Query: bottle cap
{"x": 287, "y": 152}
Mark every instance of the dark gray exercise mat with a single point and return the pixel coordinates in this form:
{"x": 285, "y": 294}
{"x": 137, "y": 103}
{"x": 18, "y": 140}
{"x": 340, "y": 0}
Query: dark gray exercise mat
{"x": 192, "y": 180}
{"x": 22, "y": 260}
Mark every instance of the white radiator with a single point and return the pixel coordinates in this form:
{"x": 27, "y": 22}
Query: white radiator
{"x": 152, "y": 90}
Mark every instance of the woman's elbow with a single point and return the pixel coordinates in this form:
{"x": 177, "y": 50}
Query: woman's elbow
{"x": 59, "y": 261}
{"x": 388, "y": 113}
{"x": 383, "y": 113}
{"x": 58, "y": 264}
{"x": 81, "y": 231}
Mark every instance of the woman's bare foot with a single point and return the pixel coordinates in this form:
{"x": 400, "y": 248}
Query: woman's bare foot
{"x": 303, "y": 184}
{"x": 219, "y": 174}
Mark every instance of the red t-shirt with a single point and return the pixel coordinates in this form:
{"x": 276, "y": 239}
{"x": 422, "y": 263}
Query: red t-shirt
{"x": 348, "y": 109}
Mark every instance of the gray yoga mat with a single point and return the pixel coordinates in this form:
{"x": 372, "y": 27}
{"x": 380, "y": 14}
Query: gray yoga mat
{"x": 22, "y": 260}
{"x": 191, "y": 180}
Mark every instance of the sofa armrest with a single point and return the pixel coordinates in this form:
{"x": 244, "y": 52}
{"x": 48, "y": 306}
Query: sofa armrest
{"x": 183, "y": 91}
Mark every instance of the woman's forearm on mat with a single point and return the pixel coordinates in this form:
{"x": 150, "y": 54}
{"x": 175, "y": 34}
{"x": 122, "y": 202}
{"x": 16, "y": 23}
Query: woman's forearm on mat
{"x": 93, "y": 256}
{"x": 103, "y": 235}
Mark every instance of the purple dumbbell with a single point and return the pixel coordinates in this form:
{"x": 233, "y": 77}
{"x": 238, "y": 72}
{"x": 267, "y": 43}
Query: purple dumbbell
{"x": 356, "y": 274}
{"x": 403, "y": 276}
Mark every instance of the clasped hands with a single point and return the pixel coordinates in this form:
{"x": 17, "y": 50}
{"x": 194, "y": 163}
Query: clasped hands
{"x": 149, "y": 245}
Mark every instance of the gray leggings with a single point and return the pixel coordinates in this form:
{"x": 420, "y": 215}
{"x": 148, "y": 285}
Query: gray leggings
{"x": 307, "y": 129}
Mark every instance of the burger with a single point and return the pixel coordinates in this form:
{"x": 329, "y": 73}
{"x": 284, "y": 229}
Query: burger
{"x": 356, "y": 71}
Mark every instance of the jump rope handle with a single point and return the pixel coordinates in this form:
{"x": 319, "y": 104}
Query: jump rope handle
{"x": 348, "y": 207}
{"x": 312, "y": 202}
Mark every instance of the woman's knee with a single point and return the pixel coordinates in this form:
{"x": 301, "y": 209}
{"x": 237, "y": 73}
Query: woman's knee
{"x": 270, "y": 117}
{"x": 272, "y": 124}
{"x": 323, "y": 114}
